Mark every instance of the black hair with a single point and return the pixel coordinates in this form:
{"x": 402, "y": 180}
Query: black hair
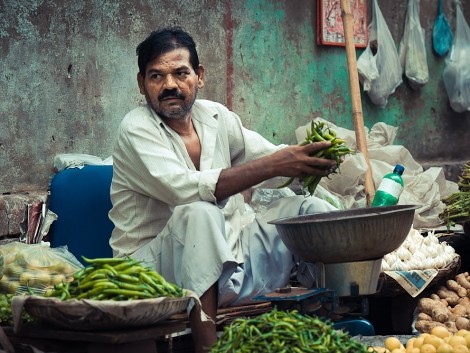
{"x": 162, "y": 41}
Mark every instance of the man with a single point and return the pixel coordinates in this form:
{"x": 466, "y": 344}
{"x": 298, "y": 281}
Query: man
{"x": 180, "y": 166}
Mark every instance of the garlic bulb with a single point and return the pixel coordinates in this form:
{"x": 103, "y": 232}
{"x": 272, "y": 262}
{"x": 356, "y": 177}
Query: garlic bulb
{"x": 419, "y": 252}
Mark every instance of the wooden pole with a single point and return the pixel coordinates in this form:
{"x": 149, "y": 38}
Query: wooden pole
{"x": 348, "y": 23}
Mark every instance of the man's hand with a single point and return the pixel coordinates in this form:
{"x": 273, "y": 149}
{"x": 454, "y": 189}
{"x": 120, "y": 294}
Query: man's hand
{"x": 298, "y": 161}
{"x": 292, "y": 161}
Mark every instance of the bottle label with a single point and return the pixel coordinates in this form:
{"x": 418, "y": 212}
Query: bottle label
{"x": 391, "y": 187}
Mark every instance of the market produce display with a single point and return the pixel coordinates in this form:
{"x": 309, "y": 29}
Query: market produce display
{"x": 6, "y": 314}
{"x": 284, "y": 331}
{"x": 419, "y": 252}
{"x": 31, "y": 268}
{"x": 457, "y": 205}
{"x": 320, "y": 131}
{"x": 438, "y": 340}
{"x": 448, "y": 306}
{"x": 115, "y": 279}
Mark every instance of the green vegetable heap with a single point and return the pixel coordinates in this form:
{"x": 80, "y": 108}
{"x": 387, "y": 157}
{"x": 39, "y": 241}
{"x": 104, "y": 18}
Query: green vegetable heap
{"x": 115, "y": 279}
{"x": 319, "y": 131}
{"x": 457, "y": 205}
{"x": 285, "y": 331}
{"x": 6, "y": 314}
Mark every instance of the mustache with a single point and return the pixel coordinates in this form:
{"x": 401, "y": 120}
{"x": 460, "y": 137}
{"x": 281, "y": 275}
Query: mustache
{"x": 171, "y": 94}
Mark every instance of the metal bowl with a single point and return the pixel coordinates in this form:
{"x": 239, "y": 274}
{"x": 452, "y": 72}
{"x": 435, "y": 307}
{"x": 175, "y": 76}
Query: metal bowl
{"x": 345, "y": 236}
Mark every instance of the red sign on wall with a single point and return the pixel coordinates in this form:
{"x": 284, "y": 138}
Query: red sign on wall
{"x": 330, "y": 23}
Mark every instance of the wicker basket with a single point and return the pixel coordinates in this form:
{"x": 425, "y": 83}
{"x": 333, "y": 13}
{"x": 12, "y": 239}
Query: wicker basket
{"x": 390, "y": 287}
{"x": 85, "y": 315}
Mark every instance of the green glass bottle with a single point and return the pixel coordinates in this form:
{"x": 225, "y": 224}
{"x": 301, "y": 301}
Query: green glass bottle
{"x": 390, "y": 188}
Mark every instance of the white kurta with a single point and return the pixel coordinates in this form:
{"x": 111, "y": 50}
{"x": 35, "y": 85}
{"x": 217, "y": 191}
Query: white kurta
{"x": 165, "y": 212}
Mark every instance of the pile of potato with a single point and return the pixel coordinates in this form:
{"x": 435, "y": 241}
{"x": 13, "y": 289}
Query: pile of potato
{"x": 448, "y": 306}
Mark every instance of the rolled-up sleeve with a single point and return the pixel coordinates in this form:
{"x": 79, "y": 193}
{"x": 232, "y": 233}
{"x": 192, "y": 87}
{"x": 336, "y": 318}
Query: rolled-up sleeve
{"x": 207, "y": 183}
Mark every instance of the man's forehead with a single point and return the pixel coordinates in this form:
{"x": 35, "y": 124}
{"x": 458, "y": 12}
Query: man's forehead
{"x": 177, "y": 56}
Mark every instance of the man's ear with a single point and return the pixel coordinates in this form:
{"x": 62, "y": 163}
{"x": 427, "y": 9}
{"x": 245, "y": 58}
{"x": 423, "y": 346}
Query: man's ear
{"x": 140, "y": 81}
{"x": 200, "y": 76}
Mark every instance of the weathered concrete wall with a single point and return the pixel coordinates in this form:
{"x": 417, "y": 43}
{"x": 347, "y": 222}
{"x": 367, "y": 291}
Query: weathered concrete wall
{"x": 68, "y": 76}
{"x": 283, "y": 79}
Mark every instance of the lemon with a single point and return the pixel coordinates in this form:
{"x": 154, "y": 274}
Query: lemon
{"x": 457, "y": 340}
{"x": 410, "y": 343}
{"x": 427, "y": 348}
{"x": 434, "y": 340}
{"x": 440, "y": 331}
{"x": 462, "y": 332}
{"x": 418, "y": 342}
{"x": 399, "y": 350}
{"x": 392, "y": 343}
{"x": 445, "y": 348}
{"x": 467, "y": 339}
{"x": 460, "y": 348}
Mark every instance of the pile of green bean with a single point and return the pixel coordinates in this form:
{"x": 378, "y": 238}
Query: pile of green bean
{"x": 457, "y": 205}
{"x": 115, "y": 279}
{"x": 285, "y": 331}
{"x": 319, "y": 131}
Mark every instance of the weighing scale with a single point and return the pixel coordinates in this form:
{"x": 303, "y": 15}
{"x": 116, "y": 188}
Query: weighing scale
{"x": 343, "y": 252}
{"x": 343, "y": 300}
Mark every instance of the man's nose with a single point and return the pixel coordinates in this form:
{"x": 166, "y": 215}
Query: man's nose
{"x": 169, "y": 82}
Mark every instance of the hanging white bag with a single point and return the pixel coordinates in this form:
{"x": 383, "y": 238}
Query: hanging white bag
{"x": 379, "y": 70}
{"x": 413, "y": 49}
{"x": 457, "y": 71}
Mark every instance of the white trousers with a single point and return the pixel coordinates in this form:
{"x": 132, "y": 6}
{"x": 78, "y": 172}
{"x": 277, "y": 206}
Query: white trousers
{"x": 192, "y": 250}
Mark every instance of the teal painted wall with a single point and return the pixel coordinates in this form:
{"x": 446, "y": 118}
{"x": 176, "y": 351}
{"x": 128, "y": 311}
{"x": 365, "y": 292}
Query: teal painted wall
{"x": 68, "y": 76}
{"x": 284, "y": 79}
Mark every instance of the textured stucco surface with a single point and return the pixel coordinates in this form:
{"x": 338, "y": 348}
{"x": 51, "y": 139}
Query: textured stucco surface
{"x": 68, "y": 76}
{"x": 285, "y": 79}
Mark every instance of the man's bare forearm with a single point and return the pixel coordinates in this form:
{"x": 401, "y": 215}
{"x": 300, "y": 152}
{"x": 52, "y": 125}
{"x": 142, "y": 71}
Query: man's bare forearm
{"x": 292, "y": 161}
{"x": 234, "y": 180}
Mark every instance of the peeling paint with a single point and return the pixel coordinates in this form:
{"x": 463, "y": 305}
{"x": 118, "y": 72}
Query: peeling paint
{"x": 69, "y": 75}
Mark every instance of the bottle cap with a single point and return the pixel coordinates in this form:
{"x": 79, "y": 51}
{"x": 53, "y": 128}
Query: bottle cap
{"x": 399, "y": 169}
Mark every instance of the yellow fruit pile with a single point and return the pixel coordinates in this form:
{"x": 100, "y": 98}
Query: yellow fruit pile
{"x": 439, "y": 340}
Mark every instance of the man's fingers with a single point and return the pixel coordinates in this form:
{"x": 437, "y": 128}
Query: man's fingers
{"x": 316, "y": 146}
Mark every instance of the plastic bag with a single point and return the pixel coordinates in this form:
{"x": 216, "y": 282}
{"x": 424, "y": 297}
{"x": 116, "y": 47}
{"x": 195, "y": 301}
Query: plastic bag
{"x": 457, "y": 71}
{"x": 441, "y": 34}
{"x": 423, "y": 188}
{"x": 413, "y": 49}
{"x": 380, "y": 72}
{"x": 32, "y": 268}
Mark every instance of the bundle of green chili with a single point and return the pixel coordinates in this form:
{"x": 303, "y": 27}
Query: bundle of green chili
{"x": 319, "y": 131}
{"x": 115, "y": 279}
{"x": 457, "y": 205}
{"x": 285, "y": 331}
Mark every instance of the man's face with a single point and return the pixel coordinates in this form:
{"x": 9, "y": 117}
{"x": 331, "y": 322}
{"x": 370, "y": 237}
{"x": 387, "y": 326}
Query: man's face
{"x": 171, "y": 84}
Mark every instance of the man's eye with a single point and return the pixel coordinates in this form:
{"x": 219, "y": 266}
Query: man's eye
{"x": 155, "y": 76}
{"x": 182, "y": 73}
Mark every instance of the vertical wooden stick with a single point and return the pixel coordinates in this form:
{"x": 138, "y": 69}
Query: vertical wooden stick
{"x": 348, "y": 23}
